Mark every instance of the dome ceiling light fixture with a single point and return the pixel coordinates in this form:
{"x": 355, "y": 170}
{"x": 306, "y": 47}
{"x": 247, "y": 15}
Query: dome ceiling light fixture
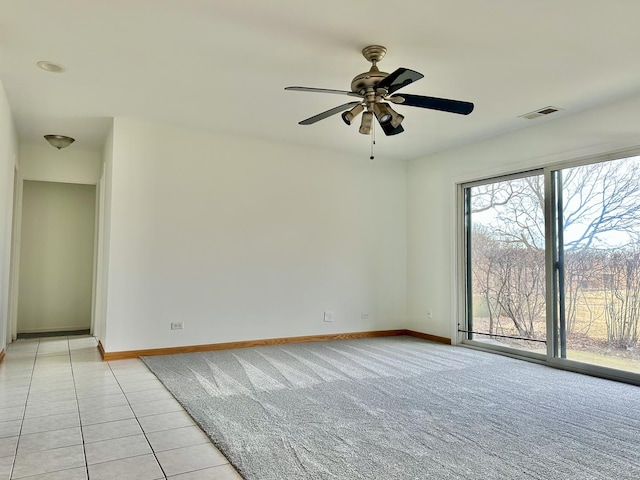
{"x": 59, "y": 141}
{"x": 51, "y": 67}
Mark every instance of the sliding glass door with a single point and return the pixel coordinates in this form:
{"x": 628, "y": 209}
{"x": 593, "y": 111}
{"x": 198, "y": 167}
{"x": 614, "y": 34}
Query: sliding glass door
{"x": 597, "y": 213}
{"x": 506, "y": 262}
{"x": 552, "y": 264}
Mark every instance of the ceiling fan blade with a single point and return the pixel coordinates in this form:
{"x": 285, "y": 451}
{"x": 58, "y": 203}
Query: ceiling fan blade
{"x": 389, "y": 129}
{"x": 323, "y": 90}
{"x": 328, "y": 113}
{"x": 398, "y": 79}
{"x": 443, "y": 104}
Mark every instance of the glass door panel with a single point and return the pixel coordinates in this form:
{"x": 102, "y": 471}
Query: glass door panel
{"x": 598, "y": 208}
{"x": 505, "y": 249}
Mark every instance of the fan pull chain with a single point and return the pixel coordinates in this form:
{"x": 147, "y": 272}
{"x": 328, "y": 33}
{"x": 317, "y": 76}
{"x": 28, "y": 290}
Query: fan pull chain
{"x": 373, "y": 141}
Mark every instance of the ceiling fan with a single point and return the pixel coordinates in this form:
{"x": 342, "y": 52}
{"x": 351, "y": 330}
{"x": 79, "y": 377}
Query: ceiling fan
{"x": 375, "y": 90}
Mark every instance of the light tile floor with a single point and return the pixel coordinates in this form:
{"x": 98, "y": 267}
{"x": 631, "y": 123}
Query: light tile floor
{"x": 67, "y": 415}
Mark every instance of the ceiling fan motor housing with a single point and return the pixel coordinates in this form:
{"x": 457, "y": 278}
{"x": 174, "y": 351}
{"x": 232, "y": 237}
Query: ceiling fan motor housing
{"x": 365, "y": 83}
{"x": 367, "y": 80}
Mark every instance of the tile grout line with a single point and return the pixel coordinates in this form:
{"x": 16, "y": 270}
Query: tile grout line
{"x": 32, "y": 361}
{"x": 138, "y": 421}
{"x": 78, "y": 412}
{"x": 184, "y": 410}
{"x": 24, "y": 413}
{"x": 75, "y": 391}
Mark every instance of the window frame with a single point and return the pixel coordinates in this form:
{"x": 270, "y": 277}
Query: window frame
{"x": 553, "y": 264}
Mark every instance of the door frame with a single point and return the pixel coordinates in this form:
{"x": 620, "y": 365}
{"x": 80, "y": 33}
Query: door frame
{"x": 14, "y": 280}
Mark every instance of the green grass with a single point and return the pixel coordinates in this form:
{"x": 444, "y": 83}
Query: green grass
{"x": 587, "y": 355}
{"x": 620, "y": 363}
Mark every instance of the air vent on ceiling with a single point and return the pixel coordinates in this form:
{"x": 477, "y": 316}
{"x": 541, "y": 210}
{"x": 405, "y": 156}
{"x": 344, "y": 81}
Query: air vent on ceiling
{"x": 540, "y": 113}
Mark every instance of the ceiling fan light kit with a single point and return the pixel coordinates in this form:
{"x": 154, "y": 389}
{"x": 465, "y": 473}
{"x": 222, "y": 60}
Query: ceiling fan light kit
{"x": 375, "y": 89}
{"x": 396, "y": 118}
{"x": 353, "y": 113}
{"x": 382, "y": 112}
{"x": 367, "y": 123}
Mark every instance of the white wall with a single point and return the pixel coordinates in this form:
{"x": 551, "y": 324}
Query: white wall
{"x": 56, "y": 257}
{"x": 8, "y": 155}
{"x": 432, "y": 215}
{"x": 69, "y": 165}
{"x": 243, "y": 239}
{"x": 103, "y": 234}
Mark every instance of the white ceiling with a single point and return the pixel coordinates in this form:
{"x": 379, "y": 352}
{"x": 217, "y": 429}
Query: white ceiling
{"x": 222, "y": 65}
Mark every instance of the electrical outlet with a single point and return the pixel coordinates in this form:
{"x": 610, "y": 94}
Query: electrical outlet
{"x": 328, "y": 316}
{"x": 429, "y": 313}
{"x": 177, "y": 325}
{"x": 364, "y": 315}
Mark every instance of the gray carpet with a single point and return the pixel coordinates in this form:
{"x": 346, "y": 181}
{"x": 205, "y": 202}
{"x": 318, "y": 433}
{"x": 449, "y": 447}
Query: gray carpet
{"x": 403, "y": 408}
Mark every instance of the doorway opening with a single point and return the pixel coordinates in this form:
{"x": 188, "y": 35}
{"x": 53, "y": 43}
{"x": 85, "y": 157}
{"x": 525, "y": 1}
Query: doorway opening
{"x": 56, "y": 269}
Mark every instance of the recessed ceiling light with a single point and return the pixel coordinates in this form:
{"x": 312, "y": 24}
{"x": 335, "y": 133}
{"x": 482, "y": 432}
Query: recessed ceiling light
{"x": 50, "y": 66}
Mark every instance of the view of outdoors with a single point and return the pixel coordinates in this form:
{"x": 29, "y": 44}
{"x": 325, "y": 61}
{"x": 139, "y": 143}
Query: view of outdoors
{"x": 508, "y": 263}
{"x": 598, "y": 259}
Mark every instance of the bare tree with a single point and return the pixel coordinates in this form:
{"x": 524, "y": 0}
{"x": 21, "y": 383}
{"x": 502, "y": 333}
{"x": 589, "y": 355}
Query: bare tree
{"x": 508, "y": 254}
{"x": 484, "y": 256}
{"x": 583, "y": 274}
{"x": 518, "y": 210}
{"x": 521, "y": 288}
{"x": 622, "y": 297}
{"x": 494, "y": 195}
{"x": 509, "y": 279}
{"x": 600, "y": 201}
